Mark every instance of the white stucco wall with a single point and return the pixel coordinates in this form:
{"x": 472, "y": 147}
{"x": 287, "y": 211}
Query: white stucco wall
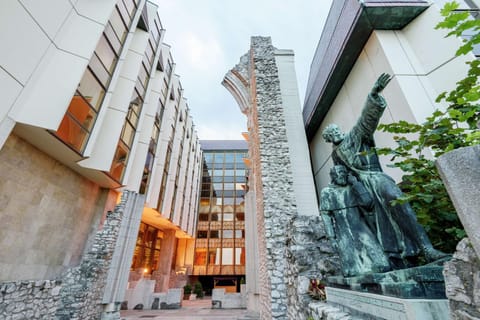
{"x": 297, "y": 142}
{"x": 423, "y": 64}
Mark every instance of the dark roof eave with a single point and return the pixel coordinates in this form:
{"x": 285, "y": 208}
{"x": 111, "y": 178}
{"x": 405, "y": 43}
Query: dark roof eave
{"x": 348, "y": 27}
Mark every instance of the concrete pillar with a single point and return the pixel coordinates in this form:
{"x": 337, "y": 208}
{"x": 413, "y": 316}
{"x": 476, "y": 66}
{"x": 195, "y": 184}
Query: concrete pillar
{"x": 167, "y": 253}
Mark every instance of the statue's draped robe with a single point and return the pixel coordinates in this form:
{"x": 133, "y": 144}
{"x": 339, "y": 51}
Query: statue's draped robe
{"x": 358, "y": 248}
{"x": 395, "y": 227}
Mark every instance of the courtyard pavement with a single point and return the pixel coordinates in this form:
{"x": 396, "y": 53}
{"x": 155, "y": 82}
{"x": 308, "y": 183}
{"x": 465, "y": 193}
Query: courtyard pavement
{"x": 200, "y": 309}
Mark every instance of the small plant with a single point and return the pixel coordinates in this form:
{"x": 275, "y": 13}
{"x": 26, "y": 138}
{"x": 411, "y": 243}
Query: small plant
{"x": 316, "y": 290}
{"x": 242, "y": 280}
{"x": 187, "y": 289}
{"x": 198, "y": 289}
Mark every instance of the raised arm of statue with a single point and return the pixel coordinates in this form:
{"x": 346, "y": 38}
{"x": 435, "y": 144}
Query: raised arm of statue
{"x": 372, "y": 110}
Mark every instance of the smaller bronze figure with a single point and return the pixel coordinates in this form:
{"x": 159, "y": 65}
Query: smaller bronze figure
{"x": 345, "y": 206}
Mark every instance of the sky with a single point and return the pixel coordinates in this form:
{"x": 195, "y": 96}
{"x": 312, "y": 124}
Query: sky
{"x": 208, "y": 37}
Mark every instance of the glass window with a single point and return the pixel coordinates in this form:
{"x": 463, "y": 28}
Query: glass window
{"x": 228, "y": 186}
{"x": 214, "y": 234}
{"x": 203, "y": 217}
{"x": 130, "y": 6}
{"x": 99, "y": 70}
{"x": 112, "y": 38}
{"x": 208, "y": 157}
{"x": 229, "y": 179}
{"x": 200, "y": 256}
{"x": 239, "y": 157}
{"x": 91, "y": 89}
{"x": 240, "y": 216}
{"x": 229, "y": 157}
{"x": 77, "y": 123}
{"x": 229, "y": 165}
{"x": 219, "y": 157}
{"x": 217, "y": 187}
{"x": 202, "y": 234}
{"x": 228, "y": 201}
{"x": 228, "y": 193}
{"x": 106, "y": 54}
{"x": 228, "y": 217}
{"x": 217, "y": 179}
{"x": 229, "y": 173}
{"x": 124, "y": 13}
{"x": 118, "y": 25}
{"x": 227, "y": 234}
{"x": 239, "y": 234}
{"x": 227, "y": 256}
{"x": 228, "y": 208}
{"x": 240, "y": 165}
{"x": 119, "y": 162}
{"x": 240, "y": 173}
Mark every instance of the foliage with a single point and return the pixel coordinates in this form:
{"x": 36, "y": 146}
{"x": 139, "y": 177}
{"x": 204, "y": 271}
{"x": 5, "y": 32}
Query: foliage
{"x": 187, "y": 289}
{"x": 443, "y": 131}
{"x": 242, "y": 280}
{"x": 316, "y": 290}
{"x": 198, "y": 289}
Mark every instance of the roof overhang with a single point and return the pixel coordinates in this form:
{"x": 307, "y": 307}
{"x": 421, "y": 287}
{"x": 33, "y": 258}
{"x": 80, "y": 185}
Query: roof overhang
{"x": 349, "y": 25}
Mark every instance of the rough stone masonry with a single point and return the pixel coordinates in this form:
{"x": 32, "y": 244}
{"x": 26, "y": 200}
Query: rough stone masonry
{"x": 255, "y": 83}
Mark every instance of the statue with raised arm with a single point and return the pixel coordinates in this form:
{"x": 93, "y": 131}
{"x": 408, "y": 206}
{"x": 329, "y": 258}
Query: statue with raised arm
{"x": 341, "y": 205}
{"x": 402, "y": 238}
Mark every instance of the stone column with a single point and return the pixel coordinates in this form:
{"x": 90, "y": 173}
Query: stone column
{"x": 167, "y": 251}
{"x": 264, "y": 85}
{"x": 460, "y": 172}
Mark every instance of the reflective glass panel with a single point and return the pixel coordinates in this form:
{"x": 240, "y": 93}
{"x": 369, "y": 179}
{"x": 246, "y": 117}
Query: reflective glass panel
{"x": 91, "y": 89}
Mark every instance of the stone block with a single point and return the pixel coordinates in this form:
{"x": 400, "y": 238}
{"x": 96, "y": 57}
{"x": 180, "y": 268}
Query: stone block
{"x": 383, "y": 307}
{"x": 424, "y": 282}
{"x": 460, "y": 172}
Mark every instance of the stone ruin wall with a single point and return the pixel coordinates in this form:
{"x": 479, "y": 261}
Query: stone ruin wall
{"x": 274, "y": 170}
{"x": 78, "y": 293}
{"x": 292, "y": 247}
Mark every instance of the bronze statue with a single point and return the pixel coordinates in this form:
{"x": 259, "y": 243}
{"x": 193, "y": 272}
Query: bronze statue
{"x": 343, "y": 205}
{"x": 402, "y": 238}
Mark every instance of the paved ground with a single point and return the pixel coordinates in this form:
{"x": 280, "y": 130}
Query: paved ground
{"x": 191, "y": 310}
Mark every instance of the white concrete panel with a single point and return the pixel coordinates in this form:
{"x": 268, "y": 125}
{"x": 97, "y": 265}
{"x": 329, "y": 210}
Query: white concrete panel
{"x": 122, "y": 93}
{"x": 416, "y": 99}
{"x": 388, "y": 45}
{"x": 23, "y": 42}
{"x": 360, "y": 81}
{"x": 106, "y": 142}
{"x": 79, "y": 35}
{"x": 303, "y": 184}
{"x": 430, "y": 46}
{"x": 6, "y": 127}
{"x": 46, "y": 96}
{"x": 9, "y": 91}
{"x": 99, "y": 11}
{"x": 131, "y": 65}
{"x": 342, "y": 114}
{"x": 49, "y": 14}
{"x": 136, "y": 163}
{"x": 139, "y": 41}
{"x": 446, "y": 77}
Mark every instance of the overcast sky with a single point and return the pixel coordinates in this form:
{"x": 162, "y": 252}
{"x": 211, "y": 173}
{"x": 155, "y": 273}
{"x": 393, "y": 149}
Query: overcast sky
{"x": 208, "y": 37}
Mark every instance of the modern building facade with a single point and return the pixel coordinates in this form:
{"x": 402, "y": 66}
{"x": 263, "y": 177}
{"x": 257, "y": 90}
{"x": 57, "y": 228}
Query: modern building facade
{"x": 220, "y": 250}
{"x": 93, "y": 108}
{"x": 363, "y": 39}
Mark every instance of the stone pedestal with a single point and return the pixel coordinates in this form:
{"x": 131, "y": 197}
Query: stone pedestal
{"x": 424, "y": 282}
{"x": 374, "y": 306}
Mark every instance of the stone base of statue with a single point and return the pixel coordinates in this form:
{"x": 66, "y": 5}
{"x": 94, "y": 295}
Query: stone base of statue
{"x": 413, "y": 293}
{"x": 424, "y": 282}
{"x": 373, "y": 306}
